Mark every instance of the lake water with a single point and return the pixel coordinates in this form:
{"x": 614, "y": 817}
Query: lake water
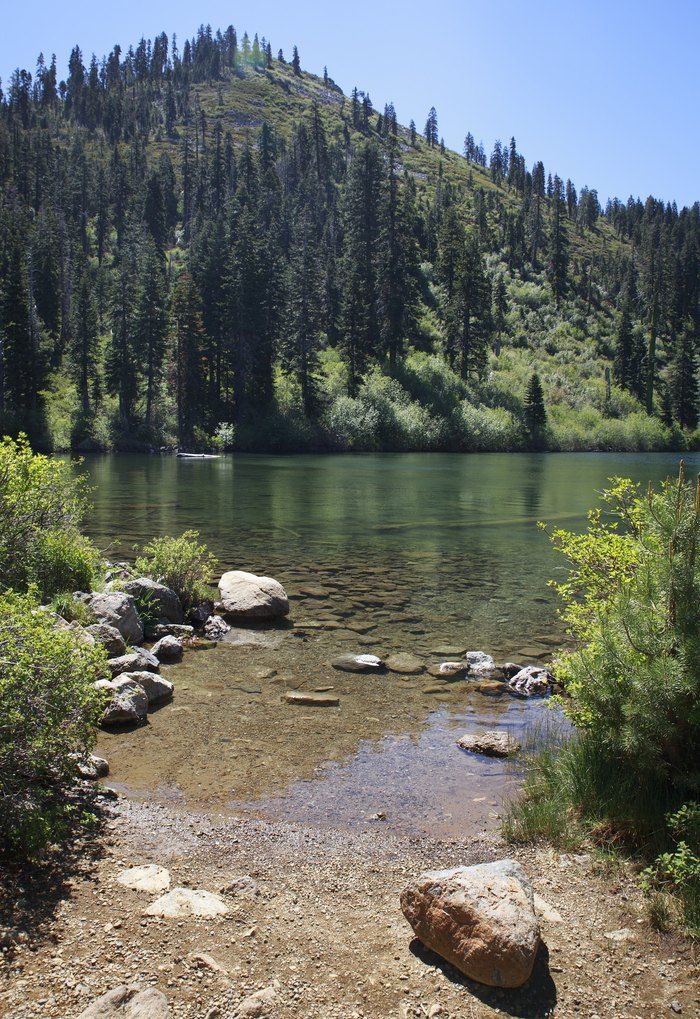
{"x": 379, "y": 553}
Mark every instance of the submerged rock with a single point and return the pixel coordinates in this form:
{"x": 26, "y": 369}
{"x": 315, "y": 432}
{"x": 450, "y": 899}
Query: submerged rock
{"x": 311, "y": 699}
{"x": 406, "y": 663}
{"x": 118, "y": 609}
{"x": 489, "y": 743}
{"x": 246, "y": 596}
{"x": 129, "y": 1002}
{"x": 181, "y": 902}
{"x": 357, "y": 663}
{"x": 481, "y": 919}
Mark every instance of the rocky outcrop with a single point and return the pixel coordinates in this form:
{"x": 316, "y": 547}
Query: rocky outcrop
{"x": 489, "y": 742}
{"x": 129, "y": 1002}
{"x": 245, "y": 596}
{"x": 168, "y": 649}
{"x": 118, "y": 609}
{"x": 481, "y": 919}
{"x": 167, "y": 602}
{"x": 109, "y": 637}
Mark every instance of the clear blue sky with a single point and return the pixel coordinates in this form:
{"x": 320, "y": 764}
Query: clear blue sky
{"x": 607, "y": 93}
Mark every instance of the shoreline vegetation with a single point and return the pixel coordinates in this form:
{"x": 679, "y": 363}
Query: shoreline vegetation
{"x": 629, "y": 688}
{"x": 213, "y": 248}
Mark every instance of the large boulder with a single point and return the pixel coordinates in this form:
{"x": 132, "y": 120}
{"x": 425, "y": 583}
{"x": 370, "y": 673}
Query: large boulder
{"x": 481, "y": 919}
{"x": 168, "y": 649}
{"x": 127, "y": 704}
{"x": 109, "y": 637}
{"x": 129, "y": 1002}
{"x": 157, "y": 688}
{"x": 137, "y": 660}
{"x": 245, "y": 596}
{"x": 167, "y": 602}
{"x": 119, "y": 610}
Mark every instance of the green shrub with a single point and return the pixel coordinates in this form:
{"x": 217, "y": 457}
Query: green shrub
{"x": 182, "y": 564}
{"x": 62, "y": 561}
{"x": 42, "y": 503}
{"x": 48, "y": 712}
{"x": 72, "y": 609}
{"x": 631, "y": 687}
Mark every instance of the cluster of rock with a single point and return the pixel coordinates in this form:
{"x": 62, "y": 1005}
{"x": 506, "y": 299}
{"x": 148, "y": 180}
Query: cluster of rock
{"x": 524, "y": 681}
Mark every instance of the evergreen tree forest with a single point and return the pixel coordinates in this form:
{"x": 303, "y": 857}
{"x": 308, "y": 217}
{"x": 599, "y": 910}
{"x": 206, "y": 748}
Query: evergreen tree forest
{"x": 207, "y": 246}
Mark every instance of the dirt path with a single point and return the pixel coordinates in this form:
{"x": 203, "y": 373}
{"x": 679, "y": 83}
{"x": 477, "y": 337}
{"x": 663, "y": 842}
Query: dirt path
{"x": 324, "y": 930}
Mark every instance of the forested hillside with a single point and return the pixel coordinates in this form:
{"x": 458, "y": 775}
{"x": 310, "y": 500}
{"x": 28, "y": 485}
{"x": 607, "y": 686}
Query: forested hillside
{"x": 210, "y": 246}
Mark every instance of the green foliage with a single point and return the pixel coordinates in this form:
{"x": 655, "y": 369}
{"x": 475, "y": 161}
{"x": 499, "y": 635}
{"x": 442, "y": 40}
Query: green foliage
{"x": 48, "y": 712}
{"x": 629, "y": 774}
{"x": 71, "y": 609}
{"x": 182, "y": 564}
{"x": 42, "y": 502}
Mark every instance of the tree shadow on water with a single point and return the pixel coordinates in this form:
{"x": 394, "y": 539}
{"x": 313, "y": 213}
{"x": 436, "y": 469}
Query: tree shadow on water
{"x": 534, "y": 1000}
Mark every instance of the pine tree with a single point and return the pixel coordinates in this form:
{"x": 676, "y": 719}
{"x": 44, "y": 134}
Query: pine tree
{"x": 189, "y": 356}
{"x": 534, "y": 411}
{"x": 121, "y": 365}
{"x": 558, "y": 253}
{"x": 683, "y": 378}
{"x": 431, "y": 128}
{"x": 296, "y": 63}
{"x": 151, "y": 324}
{"x": 301, "y": 339}
{"x": 84, "y": 346}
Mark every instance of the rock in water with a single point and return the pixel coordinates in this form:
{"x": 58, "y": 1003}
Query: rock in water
{"x": 157, "y": 688}
{"x": 168, "y": 649}
{"x": 405, "y": 663}
{"x": 119, "y": 610}
{"x": 531, "y": 681}
{"x": 163, "y": 598}
{"x": 245, "y": 596}
{"x": 129, "y": 1003}
{"x": 311, "y": 699}
{"x": 357, "y": 663}
{"x": 128, "y": 704}
{"x": 489, "y": 743}
{"x": 481, "y": 919}
{"x": 187, "y": 902}
{"x": 148, "y": 878}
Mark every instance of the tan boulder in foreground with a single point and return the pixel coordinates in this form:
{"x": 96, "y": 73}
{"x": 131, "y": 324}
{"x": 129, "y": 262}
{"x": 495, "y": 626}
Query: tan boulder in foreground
{"x": 129, "y": 1002}
{"x": 245, "y": 596}
{"x": 481, "y": 919}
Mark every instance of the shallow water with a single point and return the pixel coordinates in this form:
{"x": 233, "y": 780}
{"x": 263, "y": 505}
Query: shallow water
{"x": 378, "y": 553}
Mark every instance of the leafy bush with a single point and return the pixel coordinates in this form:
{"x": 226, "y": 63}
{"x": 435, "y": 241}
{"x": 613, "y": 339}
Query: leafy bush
{"x": 631, "y": 685}
{"x": 42, "y": 503}
{"x": 72, "y": 609}
{"x": 48, "y": 712}
{"x": 182, "y": 564}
